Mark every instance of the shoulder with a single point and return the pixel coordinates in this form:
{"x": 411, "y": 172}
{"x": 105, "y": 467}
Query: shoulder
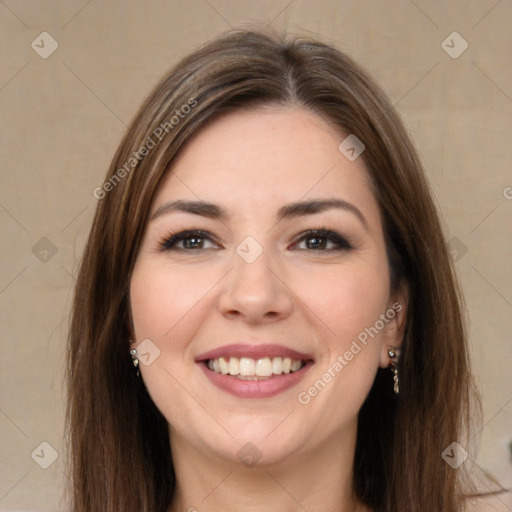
{"x": 497, "y": 503}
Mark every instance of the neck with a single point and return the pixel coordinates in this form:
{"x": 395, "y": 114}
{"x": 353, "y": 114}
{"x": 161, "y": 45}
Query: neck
{"x": 317, "y": 480}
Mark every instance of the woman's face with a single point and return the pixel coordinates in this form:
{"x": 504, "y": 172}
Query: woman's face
{"x": 254, "y": 293}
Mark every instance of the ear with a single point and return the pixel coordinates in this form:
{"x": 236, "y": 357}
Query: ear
{"x": 396, "y": 316}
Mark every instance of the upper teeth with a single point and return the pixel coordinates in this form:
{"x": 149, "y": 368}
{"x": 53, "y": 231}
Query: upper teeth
{"x": 245, "y": 366}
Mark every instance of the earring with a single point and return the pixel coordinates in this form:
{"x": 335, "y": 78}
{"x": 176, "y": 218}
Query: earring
{"x": 133, "y": 353}
{"x": 393, "y": 355}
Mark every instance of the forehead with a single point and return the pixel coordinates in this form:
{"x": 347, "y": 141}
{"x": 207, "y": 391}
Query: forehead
{"x": 257, "y": 158}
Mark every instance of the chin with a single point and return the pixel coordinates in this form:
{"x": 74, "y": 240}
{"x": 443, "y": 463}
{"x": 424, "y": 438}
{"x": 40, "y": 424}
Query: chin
{"x": 258, "y": 444}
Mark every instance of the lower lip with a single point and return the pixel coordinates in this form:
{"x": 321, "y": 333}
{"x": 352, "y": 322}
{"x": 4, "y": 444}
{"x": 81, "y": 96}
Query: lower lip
{"x": 255, "y": 388}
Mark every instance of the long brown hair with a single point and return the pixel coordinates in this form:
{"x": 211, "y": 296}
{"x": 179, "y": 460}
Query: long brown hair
{"x": 119, "y": 453}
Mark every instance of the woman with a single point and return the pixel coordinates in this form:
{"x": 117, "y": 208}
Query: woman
{"x": 266, "y": 316}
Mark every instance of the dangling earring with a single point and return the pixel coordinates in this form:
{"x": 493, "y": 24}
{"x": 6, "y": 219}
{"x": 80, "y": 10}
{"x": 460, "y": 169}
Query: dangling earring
{"x": 133, "y": 353}
{"x": 393, "y": 355}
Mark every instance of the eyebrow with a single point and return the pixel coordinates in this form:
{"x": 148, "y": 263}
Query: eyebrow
{"x": 288, "y": 211}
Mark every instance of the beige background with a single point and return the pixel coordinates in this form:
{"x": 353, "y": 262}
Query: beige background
{"x": 62, "y": 117}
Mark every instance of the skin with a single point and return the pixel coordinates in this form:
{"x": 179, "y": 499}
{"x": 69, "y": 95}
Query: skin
{"x": 315, "y": 300}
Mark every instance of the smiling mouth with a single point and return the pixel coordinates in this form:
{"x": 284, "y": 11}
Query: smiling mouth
{"x": 246, "y": 368}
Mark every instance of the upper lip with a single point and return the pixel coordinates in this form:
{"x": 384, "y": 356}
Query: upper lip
{"x": 253, "y": 352}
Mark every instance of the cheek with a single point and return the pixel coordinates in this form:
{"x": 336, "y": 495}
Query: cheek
{"x": 166, "y": 303}
{"x": 349, "y": 300}
{"x": 163, "y": 299}
{"x": 346, "y": 298}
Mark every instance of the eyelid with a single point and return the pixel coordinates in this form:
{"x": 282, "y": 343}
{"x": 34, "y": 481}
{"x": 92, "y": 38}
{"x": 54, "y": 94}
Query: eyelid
{"x": 164, "y": 243}
{"x": 168, "y": 242}
{"x": 341, "y": 242}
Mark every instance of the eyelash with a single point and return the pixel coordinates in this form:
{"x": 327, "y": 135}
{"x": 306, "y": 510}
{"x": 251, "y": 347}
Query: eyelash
{"x": 168, "y": 243}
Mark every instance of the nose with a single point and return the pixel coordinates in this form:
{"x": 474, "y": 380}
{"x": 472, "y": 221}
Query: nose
{"x": 256, "y": 292}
